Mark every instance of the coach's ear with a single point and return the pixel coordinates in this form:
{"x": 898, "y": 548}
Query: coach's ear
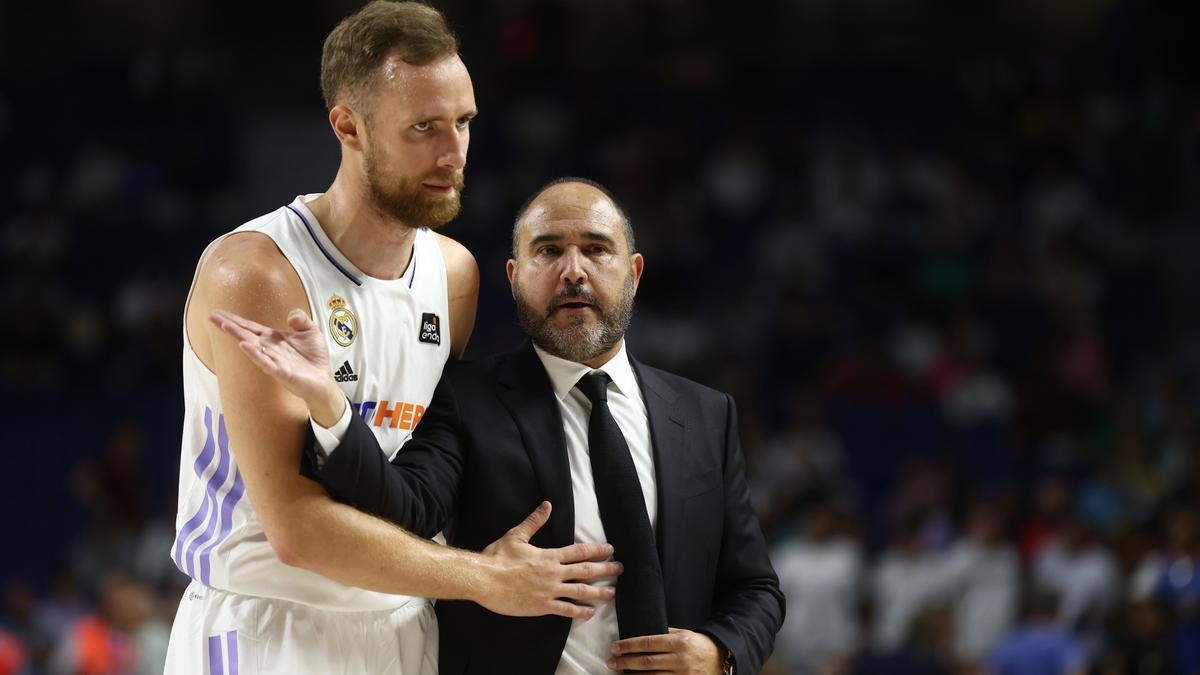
{"x": 347, "y": 126}
{"x": 637, "y": 265}
{"x": 510, "y": 268}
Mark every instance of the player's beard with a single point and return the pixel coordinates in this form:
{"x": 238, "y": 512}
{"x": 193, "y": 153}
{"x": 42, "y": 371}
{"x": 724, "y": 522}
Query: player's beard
{"x": 579, "y": 341}
{"x": 404, "y": 199}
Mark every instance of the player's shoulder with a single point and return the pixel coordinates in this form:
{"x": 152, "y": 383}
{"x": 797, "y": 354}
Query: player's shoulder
{"x": 244, "y": 255}
{"x": 461, "y": 268}
{"x": 246, "y": 262}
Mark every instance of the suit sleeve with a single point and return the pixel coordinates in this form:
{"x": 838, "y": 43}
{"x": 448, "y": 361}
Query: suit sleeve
{"x": 418, "y": 489}
{"x": 748, "y": 606}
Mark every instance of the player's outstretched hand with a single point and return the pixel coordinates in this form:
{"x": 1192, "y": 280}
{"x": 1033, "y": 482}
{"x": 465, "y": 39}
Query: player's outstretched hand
{"x": 298, "y": 358}
{"x": 532, "y": 581}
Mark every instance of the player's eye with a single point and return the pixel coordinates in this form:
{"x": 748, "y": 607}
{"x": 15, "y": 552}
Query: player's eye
{"x": 463, "y": 122}
{"x": 421, "y": 126}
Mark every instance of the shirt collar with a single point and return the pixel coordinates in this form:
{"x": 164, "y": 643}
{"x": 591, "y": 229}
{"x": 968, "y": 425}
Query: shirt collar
{"x": 565, "y": 374}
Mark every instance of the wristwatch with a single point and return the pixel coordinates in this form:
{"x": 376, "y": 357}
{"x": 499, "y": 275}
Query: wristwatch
{"x": 727, "y": 666}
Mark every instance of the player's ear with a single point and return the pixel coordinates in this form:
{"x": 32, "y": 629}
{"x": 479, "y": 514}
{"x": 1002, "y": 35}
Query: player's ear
{"x": 347, "y": 126}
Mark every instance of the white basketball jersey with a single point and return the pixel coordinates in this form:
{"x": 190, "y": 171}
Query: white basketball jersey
{"x": 388, "y": 342}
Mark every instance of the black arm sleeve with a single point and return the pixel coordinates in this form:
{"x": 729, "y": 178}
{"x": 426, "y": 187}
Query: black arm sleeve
{"x": 417, "y": 490}
{"x": 748, "y": 606}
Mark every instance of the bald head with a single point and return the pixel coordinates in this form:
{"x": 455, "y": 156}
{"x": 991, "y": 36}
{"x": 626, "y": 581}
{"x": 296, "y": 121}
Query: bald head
{"x": 572, "y": 199}
{"x": 573, "y": 273}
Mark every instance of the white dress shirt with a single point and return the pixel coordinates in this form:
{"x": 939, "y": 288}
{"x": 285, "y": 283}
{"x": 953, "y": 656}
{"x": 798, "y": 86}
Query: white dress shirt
{"x": 587, "y": 649}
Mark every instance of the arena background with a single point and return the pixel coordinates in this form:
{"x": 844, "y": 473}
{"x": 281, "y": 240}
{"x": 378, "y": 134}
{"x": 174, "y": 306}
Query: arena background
{"x": 941, "y": 253}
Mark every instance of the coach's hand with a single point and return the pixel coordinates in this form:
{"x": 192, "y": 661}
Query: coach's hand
{"x": 679, "y": 651}
{"x": 297, "y": 358}
{"x": 532, "y": 581}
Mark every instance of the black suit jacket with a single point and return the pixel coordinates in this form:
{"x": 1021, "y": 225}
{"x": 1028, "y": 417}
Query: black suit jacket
{"x": 491, "y": 447}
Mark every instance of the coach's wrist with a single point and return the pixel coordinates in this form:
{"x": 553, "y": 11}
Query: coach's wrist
{"x": 329, "y": 408}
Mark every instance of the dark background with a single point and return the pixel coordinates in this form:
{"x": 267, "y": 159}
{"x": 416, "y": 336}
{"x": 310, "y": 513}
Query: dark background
{"x": 941, "y": 239}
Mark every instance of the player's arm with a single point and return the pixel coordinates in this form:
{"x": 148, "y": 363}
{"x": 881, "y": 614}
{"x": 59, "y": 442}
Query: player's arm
{"x": 418, "y": 491}
{"x": 462, "y": 285}
{"x": 247, "y": 275}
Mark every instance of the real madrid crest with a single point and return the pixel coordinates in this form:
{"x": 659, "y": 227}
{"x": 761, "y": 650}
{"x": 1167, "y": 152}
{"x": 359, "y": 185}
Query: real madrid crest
{"x": 343, "y": 326}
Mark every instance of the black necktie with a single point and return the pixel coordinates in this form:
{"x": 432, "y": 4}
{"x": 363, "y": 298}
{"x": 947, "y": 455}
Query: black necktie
{"x": 641, "y": 602}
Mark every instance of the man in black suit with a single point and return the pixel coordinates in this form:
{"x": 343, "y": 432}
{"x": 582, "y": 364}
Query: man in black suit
{"x": 626, "y": 453}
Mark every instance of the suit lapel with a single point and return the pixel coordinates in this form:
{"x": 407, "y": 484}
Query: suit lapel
{"x": 669, "y": 438}
{"x": 526, "y": 391}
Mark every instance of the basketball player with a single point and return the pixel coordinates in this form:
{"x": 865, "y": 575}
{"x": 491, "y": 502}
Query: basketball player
{"x": 285, "y": 579}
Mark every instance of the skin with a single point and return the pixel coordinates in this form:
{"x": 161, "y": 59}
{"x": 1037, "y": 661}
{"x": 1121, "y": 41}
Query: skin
{"x": 419, "y": 127}
{"x": 571, "y": 235}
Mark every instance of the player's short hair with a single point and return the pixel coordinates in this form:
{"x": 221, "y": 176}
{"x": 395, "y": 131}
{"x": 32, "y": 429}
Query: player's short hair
{"x": 572, "y": 179}
{"x": 356, "y": 47}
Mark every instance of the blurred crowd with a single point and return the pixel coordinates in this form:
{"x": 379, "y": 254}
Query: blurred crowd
{"x": 948, "y": 283}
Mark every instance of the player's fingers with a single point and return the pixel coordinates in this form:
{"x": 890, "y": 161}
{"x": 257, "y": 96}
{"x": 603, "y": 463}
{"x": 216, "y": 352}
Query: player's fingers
{"x": 271, "y": 360}
{"x": 525, "y": 530}
{"x": 564, "y": 608}
{"x": 236, "y": 332}
{"x": 222, "y": 318}
{"x": 250, "y": 325}
{"x": 587, "y": 571}
{"x": 587, "y": 592}
{"x": 254, "y": 351}
{"x": 584, "y": 551}
{"x": 298, "y": 320}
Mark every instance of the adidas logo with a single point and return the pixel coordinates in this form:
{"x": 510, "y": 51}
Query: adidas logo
{"x": 345, "y": 373}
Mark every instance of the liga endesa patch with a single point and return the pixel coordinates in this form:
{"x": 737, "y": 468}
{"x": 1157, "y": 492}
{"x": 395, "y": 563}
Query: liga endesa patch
{"x": 430, "y": 331}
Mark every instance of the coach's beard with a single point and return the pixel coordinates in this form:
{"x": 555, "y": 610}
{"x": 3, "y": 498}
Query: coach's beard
{"x": 579, "y": 341}
{"x": 405, "y": 200}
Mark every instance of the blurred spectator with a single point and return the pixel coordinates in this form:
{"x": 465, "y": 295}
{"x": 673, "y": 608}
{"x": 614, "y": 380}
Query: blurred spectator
{"x": 106, "y": 642}
{"x": 1080, "y": 571}
{"x": 925, "y": 652}
{"x": 20, "y": 621}
{"x": 1165, "y": 572}
{"x": 907, "y": 581}
{"x": 1165, "y": 586}
{"x": 1142, "y": 647}
{"x": 984, "y": 572}
{"x": 820, "y": 570}
{"x": 57, "y": 612}
{"x": 922, "y": 500}
{"x": 803, "y": 458}
{"x": 1041, "y": 645}
{"x": 1052, "y": 503}
{"x": 13, "y": 656}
